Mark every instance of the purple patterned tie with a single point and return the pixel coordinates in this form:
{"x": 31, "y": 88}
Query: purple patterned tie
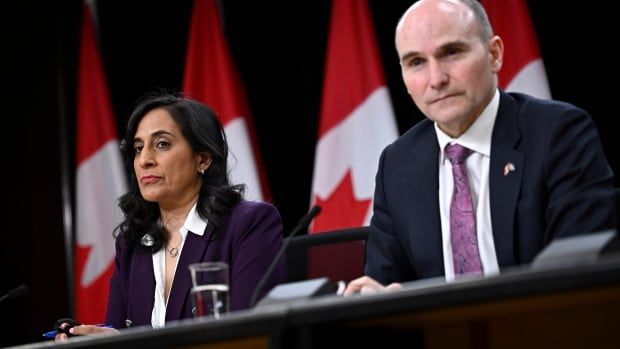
{"x": 465, "y": 253}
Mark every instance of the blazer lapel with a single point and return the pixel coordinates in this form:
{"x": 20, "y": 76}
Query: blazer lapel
{"x": 140, "y": 305}
{"x": 194, "y": 250}
{"x": 506, "y": 172}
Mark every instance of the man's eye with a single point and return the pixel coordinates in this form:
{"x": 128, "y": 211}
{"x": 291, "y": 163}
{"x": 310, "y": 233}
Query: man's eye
{"x": 451, "y": 51}
{"x": 415, "y": 62}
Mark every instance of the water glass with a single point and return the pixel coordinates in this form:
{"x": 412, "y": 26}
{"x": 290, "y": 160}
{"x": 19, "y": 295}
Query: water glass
{"x": 210, "y": 288}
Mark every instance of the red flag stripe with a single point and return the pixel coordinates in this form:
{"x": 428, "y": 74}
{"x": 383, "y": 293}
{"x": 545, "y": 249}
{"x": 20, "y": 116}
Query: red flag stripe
{"x": 210, "y": 75}
{"x": 209, "y": 72}
{"x": 94, "y": 100}
{"x": 351, "y": 49}
{"x": 511, "y": 21}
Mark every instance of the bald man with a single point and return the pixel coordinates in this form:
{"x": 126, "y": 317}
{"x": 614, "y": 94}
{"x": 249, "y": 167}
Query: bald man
{"x": 531, "y": 170}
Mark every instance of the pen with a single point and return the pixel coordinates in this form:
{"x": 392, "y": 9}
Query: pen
{"x": 52, "y": 334}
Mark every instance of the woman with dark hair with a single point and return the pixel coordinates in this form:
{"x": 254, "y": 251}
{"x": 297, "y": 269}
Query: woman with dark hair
{"x": 181, "y": 209}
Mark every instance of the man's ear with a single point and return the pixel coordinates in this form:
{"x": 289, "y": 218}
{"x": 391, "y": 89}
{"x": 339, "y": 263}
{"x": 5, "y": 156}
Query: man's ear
{"x": 496, "y": 50}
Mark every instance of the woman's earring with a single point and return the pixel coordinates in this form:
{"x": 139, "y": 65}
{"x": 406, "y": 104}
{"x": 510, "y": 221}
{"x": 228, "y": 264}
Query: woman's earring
{"x": 202, "y": 171}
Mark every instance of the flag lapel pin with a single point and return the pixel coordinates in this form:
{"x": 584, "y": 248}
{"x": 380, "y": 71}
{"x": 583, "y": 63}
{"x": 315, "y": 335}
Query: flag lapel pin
{"x": 509, "y": 167}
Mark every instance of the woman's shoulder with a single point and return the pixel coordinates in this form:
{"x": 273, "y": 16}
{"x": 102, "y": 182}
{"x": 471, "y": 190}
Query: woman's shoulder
{"x": 125, "y": 249}
{"x": 248, "y": 216}
{"x": 248, "y": 207}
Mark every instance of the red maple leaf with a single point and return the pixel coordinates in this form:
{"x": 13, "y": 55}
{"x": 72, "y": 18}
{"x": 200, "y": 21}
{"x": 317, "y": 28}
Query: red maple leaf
{"x": 341, "y": 210}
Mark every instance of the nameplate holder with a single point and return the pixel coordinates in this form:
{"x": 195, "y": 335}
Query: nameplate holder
{"x": 578, "y": 249}
{"x": 298, "y": 290}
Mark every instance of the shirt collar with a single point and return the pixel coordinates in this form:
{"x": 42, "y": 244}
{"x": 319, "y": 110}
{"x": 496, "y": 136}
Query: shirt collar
{"x": 194, "y": 223}
{"x": 478, "y": 135}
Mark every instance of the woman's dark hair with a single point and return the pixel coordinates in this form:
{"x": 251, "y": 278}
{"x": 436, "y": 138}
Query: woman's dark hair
{"x": 203, "y": 131}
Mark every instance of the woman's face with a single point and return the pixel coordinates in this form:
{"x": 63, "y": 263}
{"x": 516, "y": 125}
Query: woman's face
{"x": 166, "y": 167}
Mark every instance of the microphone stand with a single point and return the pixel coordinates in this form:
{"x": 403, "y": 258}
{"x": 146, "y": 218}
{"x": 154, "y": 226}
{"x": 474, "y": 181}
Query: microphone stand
{"x": 304, "y": 222}
{"x": 14, "y": 293}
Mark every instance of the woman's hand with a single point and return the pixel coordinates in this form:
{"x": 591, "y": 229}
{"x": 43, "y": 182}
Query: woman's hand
{"x": 83, "y": 330}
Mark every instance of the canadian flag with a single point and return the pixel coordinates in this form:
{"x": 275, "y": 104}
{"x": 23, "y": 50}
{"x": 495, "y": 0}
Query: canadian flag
{"x": 523, "y": 69}
{"x": 357, "y": 120}
{"x": 100, "y": 180}
{"x": 211, "y": 78}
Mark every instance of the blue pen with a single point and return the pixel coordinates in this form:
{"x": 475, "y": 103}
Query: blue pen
{"x": 52, "y": 334}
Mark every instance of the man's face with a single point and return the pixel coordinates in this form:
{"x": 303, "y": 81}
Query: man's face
{"x": 448, "y": 69}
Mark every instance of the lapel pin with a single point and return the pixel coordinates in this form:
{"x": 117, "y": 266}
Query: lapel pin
{"x": 508, "y": 168}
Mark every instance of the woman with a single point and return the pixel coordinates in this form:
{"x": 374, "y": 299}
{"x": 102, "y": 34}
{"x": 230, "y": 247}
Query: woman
{"x": 181, "y": 209}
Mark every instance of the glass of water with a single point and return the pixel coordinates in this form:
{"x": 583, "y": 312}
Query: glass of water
{"x": 210, "y": 288}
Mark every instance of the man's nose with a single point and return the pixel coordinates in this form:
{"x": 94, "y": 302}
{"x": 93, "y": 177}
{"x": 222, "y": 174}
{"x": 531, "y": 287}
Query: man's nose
{"x": 438, "y": 76}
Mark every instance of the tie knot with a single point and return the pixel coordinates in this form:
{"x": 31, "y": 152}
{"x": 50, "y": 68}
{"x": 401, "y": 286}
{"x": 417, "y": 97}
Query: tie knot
{"x": 457, "y": 153}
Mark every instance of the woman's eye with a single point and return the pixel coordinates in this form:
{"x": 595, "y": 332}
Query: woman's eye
{"x": 137, "y": 149}
{"x": 162, "y": 145}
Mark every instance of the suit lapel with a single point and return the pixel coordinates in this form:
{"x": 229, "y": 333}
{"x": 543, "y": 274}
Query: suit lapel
{"x": 194, "y": 250}
{"x": 506, "y": 172}
{"x": 424, "y": 198}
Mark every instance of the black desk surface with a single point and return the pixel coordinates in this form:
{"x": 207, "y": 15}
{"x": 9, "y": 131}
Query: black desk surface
{"x": 426, "y": 306}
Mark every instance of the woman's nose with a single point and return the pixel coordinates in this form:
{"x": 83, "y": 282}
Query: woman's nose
{"x": 145, "y": 158}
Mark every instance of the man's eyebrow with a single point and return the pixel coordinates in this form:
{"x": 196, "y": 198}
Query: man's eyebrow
{"x": 408, "y": 55}
{"x": 448, "y": 45}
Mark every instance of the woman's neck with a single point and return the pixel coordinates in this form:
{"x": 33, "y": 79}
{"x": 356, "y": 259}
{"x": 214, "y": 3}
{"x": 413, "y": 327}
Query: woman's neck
{"x": 175, "y": 216}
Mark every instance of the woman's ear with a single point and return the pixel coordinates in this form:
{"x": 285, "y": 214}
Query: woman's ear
{"x": 204, "y": 162}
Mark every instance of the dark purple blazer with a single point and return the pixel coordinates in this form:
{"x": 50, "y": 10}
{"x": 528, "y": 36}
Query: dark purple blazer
{"x": 562, "y": 185}
{"x": 248, "y": 241}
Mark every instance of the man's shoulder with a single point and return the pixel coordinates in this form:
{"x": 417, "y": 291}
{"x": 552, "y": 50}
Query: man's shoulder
{"x": 419, "y": 136}
{"x": 533, "y": 106}
{"x": 416, "y": 134}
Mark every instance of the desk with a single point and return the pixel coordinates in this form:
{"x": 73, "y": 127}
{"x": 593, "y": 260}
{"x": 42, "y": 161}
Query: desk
{"x": 576, "y": 307}
{"x": 570, "y": 307}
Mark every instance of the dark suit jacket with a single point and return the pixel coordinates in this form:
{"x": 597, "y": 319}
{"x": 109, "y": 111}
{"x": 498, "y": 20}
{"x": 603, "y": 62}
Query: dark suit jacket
{"x": 248, "y": 241}
{"x": 562, "y": 185}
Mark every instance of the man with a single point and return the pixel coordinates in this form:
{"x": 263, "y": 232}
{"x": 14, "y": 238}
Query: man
{"x": 530, "y": 170}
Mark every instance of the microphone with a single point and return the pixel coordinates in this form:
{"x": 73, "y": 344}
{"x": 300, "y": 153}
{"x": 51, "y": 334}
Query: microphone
{"x": 14, "y": 293}
{"x": 303, "y": 223}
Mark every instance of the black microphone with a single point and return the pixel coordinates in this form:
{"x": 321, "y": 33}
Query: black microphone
{"x": 303, "y": 223}
{"x": 14, "y": 293}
